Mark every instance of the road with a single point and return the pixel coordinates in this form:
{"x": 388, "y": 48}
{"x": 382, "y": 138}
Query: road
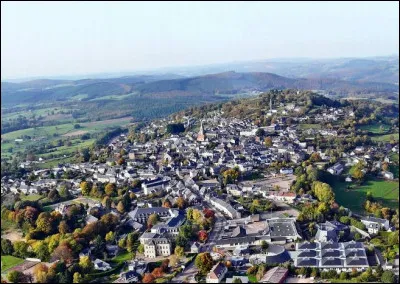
{"x": 188, "y": 273}
{"x": 217, "y": 230}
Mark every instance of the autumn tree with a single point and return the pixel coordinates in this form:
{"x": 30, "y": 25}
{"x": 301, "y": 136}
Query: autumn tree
{"x": 152, "y": 220}
{"x": 15, "y": 276}
{"x": 110, "y": 237}
{"x": 179, "y": 251}
{"x": 77, "y": 278}
{"x": 230, "y": 175}
{"x": 110, "y": 189}
{"x": 157, "y": 272}
{"x": 268, "y": 141}
{"x": 63, "y": 228}
{"x": 166, "y": 204}
{"x": 63, "y": 252}
{"x": 148, "y": 278}
{"x": 204, "y": 262}
{"x": 202, "y": 236}
{"x": 86, "y": 264}
{"x": 121, "y": 207}
{"x": 85, "y": 187}
{"x": 181, "y": 202}
{"x": 106, "y": 202}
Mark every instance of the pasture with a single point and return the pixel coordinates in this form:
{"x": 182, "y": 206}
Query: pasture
{"x": 375, "y": 128}
{"x": 386, "y": 137}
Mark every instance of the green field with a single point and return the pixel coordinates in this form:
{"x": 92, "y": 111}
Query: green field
{"x": 375, "y": 128}
{"x": 386, "y": 192}
{"x": 386, "y": 137}
{"x": 310, "y": 126}
{"x": 8, "y": 261}
{"x": 31, "y": 197}
{"x": 49, "y": 134}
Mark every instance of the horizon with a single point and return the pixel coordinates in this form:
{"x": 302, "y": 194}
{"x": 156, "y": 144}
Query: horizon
{"x": 39, "y": 40}
{"x": 169, "y": 69}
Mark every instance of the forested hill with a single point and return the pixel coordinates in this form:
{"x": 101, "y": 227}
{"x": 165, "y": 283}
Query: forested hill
{"x": 257, "y": 108}
{"x": 149, "y": 86}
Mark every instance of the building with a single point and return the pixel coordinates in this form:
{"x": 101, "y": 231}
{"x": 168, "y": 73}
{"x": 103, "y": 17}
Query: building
{"x": 332, "y": 255}
{"x": 336, "y": 169}
{"x": 201, "y": 135}
{"x": 195, "y": 247}
{"x": 153, "y": 185}
{"x": 330, "y": 231}
{"x": 225, "y": 207}
{"x": 141, "y": 215}
{"x": 273, "y": 255}
{"x": 217, "y": 273}
{"x": 374, "y": 225}
{"x": 275, "y": 275}
{"x": 157, "y": 246}
{"x": 101, "y": 265}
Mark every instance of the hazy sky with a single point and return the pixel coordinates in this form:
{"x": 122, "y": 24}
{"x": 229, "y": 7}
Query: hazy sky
{"x": 66, "y": 38}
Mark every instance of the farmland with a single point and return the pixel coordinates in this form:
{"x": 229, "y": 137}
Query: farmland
{"x": 375, "y": 128}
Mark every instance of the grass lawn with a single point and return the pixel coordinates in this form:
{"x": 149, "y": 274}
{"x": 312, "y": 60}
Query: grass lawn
{"x": 385, "y": 138}
{"x": 375, "y": 128}
{"x": 309, "y": 126}
{"x": 8, "y": 261}
{"x": 252, "y": 279}
{"x": 123, "y": 257}
{"x": 31, "y": 197}
{"x": 386, "y": 192}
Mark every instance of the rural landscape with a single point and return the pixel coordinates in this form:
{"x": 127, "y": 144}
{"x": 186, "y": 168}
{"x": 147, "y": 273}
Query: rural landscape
{"x": 255, "y": 171}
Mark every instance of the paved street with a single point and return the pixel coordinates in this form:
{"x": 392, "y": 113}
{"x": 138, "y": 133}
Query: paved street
{"x": 187, "y": 275}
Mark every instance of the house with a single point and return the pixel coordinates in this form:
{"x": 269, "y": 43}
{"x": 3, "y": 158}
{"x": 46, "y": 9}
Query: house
{"x": 217, "y": 273}
{"x": 275, "y": 275}
{"x": 225, "y": 207}
{"x": 374, "y": 225}
{"x": 101, "y": 265}
{"x": 157, "y": 246}
{"x": 330, "y": 231}
{"x": 128, "y": 277}
{"x": 336, "y": 169}
{"x": 286, "y": 171}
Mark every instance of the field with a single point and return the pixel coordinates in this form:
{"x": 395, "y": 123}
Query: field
{"x": 51, "y": 134}
{"x": 375, "y": 128}
{"x": 386, "y": 192}
{"x": 8, "y": 261}
{"x": 31, "y": 197}
{"x": 386, "y": 137}
{"x": 310, "y": 126}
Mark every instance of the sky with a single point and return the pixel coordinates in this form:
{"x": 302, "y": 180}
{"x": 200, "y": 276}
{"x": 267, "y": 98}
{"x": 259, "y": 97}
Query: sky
{"x": 69, "y": 38}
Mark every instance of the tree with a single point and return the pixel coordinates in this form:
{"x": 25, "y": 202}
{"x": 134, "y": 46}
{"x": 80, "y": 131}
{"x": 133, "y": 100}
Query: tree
{"x": 148, "y": 278}
{"x": 110, "y": 189}
{"x": 42, "y": 251}
{"x": 358, "y": 174}
{"x": 15, "y": 276}
{"x": 264, "y": 246}
{"x": 44, "y": 222}
{"x": 204, "y": 262}
{"x": 6, "y": 247}
{"x": 21, "y": 249}
{"x": 180, "y": 202}
{"x": 63, "y": 228}
{"x": 174, "y": 260}
{"x": 167, "y": 204}
{"x": 157, "y": 272}
{"x": 140, "y": 249}
{"x": 315, "y": 157}
{"x": 343, "y": 276}
{"x": 130, "y": 242}
{"x": 268, "y": 141}
{"x": 237, "y": 280}
{"x": 110, "y": 236}
{"x": 260, "y": 132}
{"x": 63, "y": 252}
{"x": 85, "y": 188}
{"x": 120, "y": 207}
{"x": 202, "y": 236}
{"x": 86, "y": 264}
{"x": 388, "y": 277}
{"x": 323, "y": 191}
{"x": 77, "y": 278}
{"x": 152, "y": 220}
{"x": 106, "y": 202}
{"x": 230, "y": 175}
{"x": 175, "y": 128}
{"x": 179, "y": 251}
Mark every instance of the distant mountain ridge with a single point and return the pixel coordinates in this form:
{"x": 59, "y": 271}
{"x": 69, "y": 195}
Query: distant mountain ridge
{"x": 211, "y": 84}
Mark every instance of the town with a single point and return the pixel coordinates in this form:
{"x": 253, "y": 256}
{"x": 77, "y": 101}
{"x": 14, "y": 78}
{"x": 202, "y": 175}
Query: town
{"x": 269, "y": 189}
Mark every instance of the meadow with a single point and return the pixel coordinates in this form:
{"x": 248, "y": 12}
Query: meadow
{"x": 375, "y": 128}
{"x": 8, "y": 261}
{"x": 386, "y": 192}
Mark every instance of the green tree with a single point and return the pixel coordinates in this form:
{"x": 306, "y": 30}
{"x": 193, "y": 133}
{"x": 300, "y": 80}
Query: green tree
{"x": 21, "y": 249}
{"x": 6, "y": 247}
{"x": 388, "y": 277}
{"x": 264, "y": 246}
{"x": 110, "y": 236}
{"x": 42, "y": 251}
{"x": 140, "y": 249}
{"x": 15, "y": 276}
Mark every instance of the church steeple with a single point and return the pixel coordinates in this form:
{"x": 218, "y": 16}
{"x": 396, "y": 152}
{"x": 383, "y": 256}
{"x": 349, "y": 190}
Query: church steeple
{"x": 200, "y": 135}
